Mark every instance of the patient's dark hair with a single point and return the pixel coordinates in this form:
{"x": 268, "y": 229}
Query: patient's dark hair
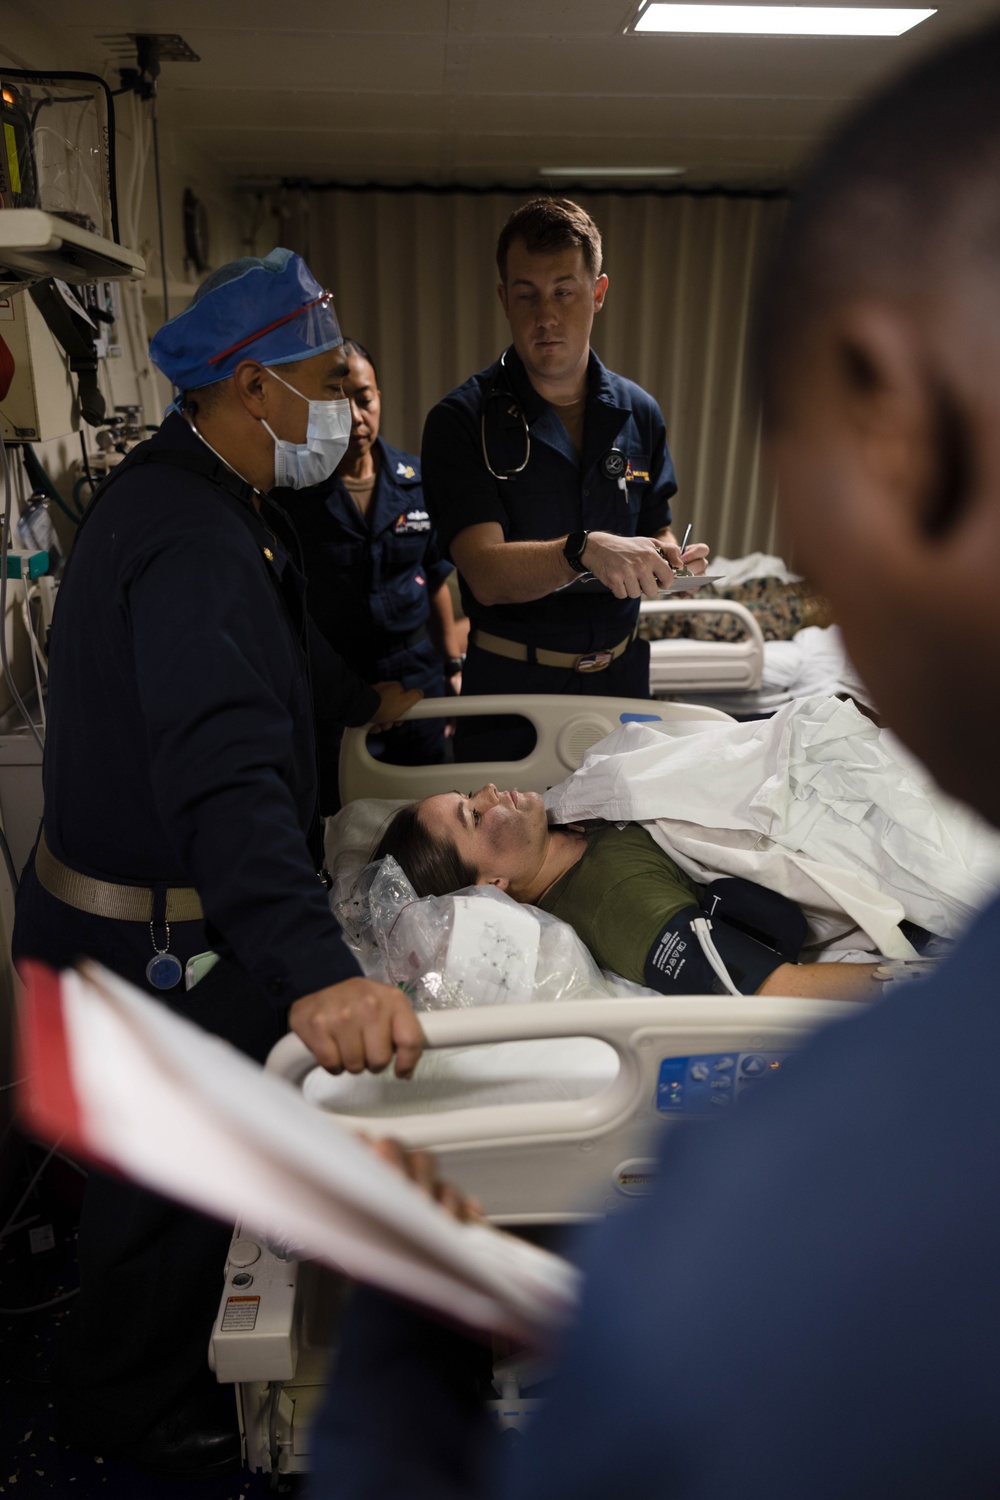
{"x": 902, "y": 200}
{"x": 434, "y": 866}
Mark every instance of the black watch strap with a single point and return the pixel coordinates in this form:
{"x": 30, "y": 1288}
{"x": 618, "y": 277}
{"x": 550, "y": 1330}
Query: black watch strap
{"x": 575, "y": 543}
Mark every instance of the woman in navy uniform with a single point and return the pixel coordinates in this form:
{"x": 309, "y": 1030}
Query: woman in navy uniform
{"x": 378, "y": 584}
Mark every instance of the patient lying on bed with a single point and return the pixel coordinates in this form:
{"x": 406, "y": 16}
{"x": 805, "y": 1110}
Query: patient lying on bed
{"x": 630, "y": 903}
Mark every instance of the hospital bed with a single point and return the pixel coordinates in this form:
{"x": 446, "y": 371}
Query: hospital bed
{"x": 749, "y": 678}
{"x": 545, "y": 1112}
{"x": 688, "y": 666}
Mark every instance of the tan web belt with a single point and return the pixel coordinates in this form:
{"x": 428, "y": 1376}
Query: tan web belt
{"x": 104, "y": 898}
{"x": 589, "y": 661}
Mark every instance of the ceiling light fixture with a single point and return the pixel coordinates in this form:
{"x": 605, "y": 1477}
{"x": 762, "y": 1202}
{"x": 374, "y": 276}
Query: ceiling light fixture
{"x": 611, "y": 171}
{"x": 779, "y": 20}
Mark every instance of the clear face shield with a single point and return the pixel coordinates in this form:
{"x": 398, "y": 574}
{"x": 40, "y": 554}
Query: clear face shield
{"x": 309, "y": 330}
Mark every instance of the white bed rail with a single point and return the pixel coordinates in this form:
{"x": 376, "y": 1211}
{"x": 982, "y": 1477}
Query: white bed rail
{"x": 686, "y": 666}
{"x": 566, "y": 727}
{"x": 548, "y": 1162}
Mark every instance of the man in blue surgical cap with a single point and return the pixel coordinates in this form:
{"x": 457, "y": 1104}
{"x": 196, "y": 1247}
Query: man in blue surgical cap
{"x": 180, "y": 796}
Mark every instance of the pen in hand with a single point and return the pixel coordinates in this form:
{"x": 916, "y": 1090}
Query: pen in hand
{"x": 682, "y": 570}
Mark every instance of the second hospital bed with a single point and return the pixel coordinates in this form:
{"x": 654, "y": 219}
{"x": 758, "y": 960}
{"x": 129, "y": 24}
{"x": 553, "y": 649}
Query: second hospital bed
{"x": 546, "y": 1112}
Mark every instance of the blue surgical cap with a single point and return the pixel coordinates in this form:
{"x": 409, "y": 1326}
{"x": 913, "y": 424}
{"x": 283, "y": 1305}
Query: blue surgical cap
{"x": 272, "y": 310}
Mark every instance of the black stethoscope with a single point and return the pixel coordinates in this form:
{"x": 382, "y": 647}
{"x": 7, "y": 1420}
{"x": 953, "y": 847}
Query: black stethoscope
{"x": 614, "y": 464}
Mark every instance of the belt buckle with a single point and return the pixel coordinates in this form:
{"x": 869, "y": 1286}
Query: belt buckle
{"x": 595, "y": 662}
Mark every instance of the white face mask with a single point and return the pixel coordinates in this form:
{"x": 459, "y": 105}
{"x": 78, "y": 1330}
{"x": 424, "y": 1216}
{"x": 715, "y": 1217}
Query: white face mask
{"x": 298, "y": 465}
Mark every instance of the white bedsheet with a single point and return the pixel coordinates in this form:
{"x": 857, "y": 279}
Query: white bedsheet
{"x": 811, "y": 802}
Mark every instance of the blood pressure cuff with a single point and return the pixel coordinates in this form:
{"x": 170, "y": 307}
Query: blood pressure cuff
{"x": 762, "y": 914}
{"x": 754, "y": 931}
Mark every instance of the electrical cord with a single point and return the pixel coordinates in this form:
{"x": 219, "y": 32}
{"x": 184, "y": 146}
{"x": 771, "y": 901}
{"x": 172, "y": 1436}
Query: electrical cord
{"x": 76, "y": 493}
{"x": 4, "y": 545}
{"x": 39, "y": 480}
{"x": 11, "y": 1226}
{"x": 159, "y": 202}
{"x": 50, "y": 1153}
{"x": 33, "y": 596}
{"x": 35, "y": 652}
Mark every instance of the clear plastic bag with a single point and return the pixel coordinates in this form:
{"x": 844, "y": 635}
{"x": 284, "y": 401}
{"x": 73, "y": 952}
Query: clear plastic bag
{"x": 36, "y": 533}
{"x": 474, "y": 947}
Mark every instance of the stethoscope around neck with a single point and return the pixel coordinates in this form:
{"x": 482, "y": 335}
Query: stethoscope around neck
{"x": 499, "y": 390}
{"x": 614, "y": 464}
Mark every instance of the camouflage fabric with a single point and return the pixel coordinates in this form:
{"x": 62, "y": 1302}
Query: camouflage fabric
{"x": 780, "y": 609}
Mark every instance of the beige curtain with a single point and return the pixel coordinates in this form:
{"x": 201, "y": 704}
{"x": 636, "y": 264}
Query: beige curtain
{"x": 414, "y": 277}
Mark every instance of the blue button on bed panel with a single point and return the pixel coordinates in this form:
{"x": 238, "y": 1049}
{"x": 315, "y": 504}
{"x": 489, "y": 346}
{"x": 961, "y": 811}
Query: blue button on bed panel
{"x": 704, "y": 1085}
{"x": 640, "y": 718}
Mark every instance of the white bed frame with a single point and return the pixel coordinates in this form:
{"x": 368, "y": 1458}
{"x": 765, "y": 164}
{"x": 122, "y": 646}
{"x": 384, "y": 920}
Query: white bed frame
{"x": 530, "y": 1164}
{"x": 700, "y": 667}
{"x": 566, "y": 726}
{"x": 560, "y": 1162}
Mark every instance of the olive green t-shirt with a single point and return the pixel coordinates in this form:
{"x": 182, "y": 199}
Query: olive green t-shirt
{"x": 619, "y": 895}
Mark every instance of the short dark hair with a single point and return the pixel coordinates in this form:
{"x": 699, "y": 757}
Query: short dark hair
{"x": 903, "y": 195}
{"x": 353, "y": 347}
{"x": 433, "y": 866}
{"x": 547, "y": 224}
{"x": 204, "y": 398}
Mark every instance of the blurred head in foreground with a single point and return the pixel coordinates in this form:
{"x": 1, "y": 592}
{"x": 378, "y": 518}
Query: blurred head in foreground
{"x": 879, "y": 352}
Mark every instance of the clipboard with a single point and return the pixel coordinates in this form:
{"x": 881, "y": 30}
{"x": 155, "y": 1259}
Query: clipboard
{"x": 682, "y": 583}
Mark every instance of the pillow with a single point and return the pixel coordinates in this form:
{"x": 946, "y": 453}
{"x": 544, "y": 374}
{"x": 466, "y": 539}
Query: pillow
{"x": 351, "y": 834}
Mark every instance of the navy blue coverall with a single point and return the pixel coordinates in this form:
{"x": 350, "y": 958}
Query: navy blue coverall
{"x": 180, "y": 752}
{"x": 558, "y": 492}
{"x": 371, "y": 579}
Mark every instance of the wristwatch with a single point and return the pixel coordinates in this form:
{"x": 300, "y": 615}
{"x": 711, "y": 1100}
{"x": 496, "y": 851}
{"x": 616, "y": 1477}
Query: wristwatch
{"x": 454, "y": 664}
{"x": 575, "y": 543}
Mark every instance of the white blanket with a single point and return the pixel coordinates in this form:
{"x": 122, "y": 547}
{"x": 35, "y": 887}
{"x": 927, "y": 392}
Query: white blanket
{"x": 814, "y": 661}
{"x": 812, "y": 802}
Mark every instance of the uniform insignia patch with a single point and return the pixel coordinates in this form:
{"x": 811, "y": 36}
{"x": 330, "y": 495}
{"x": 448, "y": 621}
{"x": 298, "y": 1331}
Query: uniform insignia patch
{"x": 411, "y": 521}
{"x": 405, "y": 471}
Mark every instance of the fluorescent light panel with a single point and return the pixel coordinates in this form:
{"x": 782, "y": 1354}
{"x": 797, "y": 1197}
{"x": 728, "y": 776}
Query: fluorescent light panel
{"x": 611, "y": 171}
{"x": 780, "y": 20}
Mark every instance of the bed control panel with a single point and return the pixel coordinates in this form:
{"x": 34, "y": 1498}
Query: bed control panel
{"x": 712, "y": 1082}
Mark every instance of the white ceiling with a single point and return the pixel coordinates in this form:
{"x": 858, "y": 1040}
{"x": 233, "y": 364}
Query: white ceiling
{"x": 485, "y": 92}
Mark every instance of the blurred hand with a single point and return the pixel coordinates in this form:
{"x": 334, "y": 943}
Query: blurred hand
{"x": 421, "y": 1168}
{"x": 630, "y": 566}
{"x": 395, "y": 701}
{"x": 359, "y": 1024}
